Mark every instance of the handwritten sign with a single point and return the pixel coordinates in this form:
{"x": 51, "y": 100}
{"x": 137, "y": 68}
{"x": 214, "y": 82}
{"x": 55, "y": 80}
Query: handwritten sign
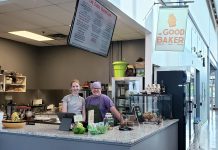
{"x": 78, "y": 118}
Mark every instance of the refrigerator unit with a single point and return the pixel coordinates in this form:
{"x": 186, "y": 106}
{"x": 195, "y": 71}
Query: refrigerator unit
{"x": 122, "y": 88}
{"x": 181, "y": 83}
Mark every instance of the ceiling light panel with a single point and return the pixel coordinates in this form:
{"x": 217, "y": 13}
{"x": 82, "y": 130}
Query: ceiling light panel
{"x": 31, "y": 35}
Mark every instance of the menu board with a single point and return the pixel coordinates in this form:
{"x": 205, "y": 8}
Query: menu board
{"x": 92, "y": 27}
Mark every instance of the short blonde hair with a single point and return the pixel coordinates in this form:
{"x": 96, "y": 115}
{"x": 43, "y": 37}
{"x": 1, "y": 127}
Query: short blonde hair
{"x": 74, "y": 80}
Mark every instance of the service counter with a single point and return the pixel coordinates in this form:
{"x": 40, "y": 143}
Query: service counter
{"x": 47, "y": 136}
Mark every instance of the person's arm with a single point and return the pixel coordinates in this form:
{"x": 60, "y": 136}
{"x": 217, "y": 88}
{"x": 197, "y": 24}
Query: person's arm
{"x": 64, "y": 107}
{"x": 64, "y": 104}
{"x": 109, "y": 104}
{"x": 117, "y": 114}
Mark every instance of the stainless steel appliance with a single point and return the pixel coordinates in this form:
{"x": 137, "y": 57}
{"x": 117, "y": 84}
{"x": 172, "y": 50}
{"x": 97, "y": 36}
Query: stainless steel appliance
{"x": 122, "y": 88}
{"x": 182, "y": 83}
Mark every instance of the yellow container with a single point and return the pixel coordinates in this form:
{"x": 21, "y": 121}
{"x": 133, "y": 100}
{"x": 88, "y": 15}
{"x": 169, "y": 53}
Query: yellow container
{"x": 14, "y": 125}
{"x": 119, "y": 68}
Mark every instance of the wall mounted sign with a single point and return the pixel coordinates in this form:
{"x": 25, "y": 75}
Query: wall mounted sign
{"x": 171, "y": 29}
{"x": 92, "y": 27}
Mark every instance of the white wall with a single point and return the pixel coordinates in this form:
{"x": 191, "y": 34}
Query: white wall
{"x": 200, "y": 13}
{"x": 135, "y": 9}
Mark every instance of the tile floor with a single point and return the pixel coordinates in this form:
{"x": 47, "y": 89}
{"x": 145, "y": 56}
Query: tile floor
{"x": 207, "y": 136}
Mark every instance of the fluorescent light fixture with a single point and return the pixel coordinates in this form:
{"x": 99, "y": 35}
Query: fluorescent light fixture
{"x": 3, "y": 2}
{"x": 31, "y": 35}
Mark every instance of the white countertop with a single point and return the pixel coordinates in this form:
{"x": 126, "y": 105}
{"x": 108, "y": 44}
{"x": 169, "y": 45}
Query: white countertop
{"x": 138, "y": 133}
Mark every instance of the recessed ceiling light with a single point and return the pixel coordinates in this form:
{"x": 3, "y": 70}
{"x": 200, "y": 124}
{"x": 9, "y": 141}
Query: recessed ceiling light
{"x": 31, "y": 35}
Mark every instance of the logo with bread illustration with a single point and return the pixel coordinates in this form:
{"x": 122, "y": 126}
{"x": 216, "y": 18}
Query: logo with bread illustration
{"x": 171, "y": 20}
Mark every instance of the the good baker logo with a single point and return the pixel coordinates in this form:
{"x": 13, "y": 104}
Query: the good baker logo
{"x": 171, "y": 35}
{"x": 171, "y": 29}
{"x": 172, "y": 20}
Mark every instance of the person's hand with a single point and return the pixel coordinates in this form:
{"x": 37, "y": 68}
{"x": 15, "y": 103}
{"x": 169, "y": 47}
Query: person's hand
{"x": 123, "y": 122}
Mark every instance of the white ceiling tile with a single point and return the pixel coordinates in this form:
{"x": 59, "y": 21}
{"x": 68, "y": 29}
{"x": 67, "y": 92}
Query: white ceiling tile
{"x": 9, "y": 7}
{"x": 36, "y": 43}
{"x": 55, "y": 13}
{"x": 27, "y": 4}
{"x": 14, "y": 22}
{"x": 122, "y": 27}
{"x": 60, "y": 1}
{"x": 6, "y": 28}
{"x": 132, "y": 36}
{"x": 43, "y": 31}
{"x": 61, "y": 29}
{"x": 33, "y": 18}
{"x": 70, "y": 6}
{"x": 57, "y": 42}
{"x": 116, "y": 37}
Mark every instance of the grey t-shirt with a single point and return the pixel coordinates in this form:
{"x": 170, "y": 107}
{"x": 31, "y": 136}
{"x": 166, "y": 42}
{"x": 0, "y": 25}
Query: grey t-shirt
{"x": 74, "y": 104}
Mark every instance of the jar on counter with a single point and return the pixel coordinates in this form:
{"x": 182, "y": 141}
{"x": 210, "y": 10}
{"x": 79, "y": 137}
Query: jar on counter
{"x": 109, "y": 120}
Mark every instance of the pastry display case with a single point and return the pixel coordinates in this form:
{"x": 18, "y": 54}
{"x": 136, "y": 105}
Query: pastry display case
{"x": 159, "y": 104}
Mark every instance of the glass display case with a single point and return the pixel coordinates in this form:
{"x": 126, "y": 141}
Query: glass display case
{"x": 122, "y": 88}
{"x": 161, "y": 104}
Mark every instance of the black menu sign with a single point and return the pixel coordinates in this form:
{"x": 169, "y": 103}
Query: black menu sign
{"x": 92, "y": 27}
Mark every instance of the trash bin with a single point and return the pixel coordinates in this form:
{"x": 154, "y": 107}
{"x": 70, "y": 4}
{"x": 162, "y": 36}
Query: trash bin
{"x": 119, "y": 68}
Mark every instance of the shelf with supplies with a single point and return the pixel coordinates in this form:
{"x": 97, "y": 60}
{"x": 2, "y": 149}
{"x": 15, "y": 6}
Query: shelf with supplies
{"x": 122, "y": 88}
{"x": 12, "y": 83}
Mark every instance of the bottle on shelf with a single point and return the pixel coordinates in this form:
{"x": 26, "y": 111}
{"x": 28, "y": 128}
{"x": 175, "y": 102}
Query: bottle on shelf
{"x": 162, "y": 88}
{"x": 148, "y": 89}
{"x": 152, "y": 88}
{"x": 158, "y": 88}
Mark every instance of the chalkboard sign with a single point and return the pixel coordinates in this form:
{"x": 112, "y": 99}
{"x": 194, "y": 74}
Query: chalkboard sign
{"x": 92, "y": 27}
